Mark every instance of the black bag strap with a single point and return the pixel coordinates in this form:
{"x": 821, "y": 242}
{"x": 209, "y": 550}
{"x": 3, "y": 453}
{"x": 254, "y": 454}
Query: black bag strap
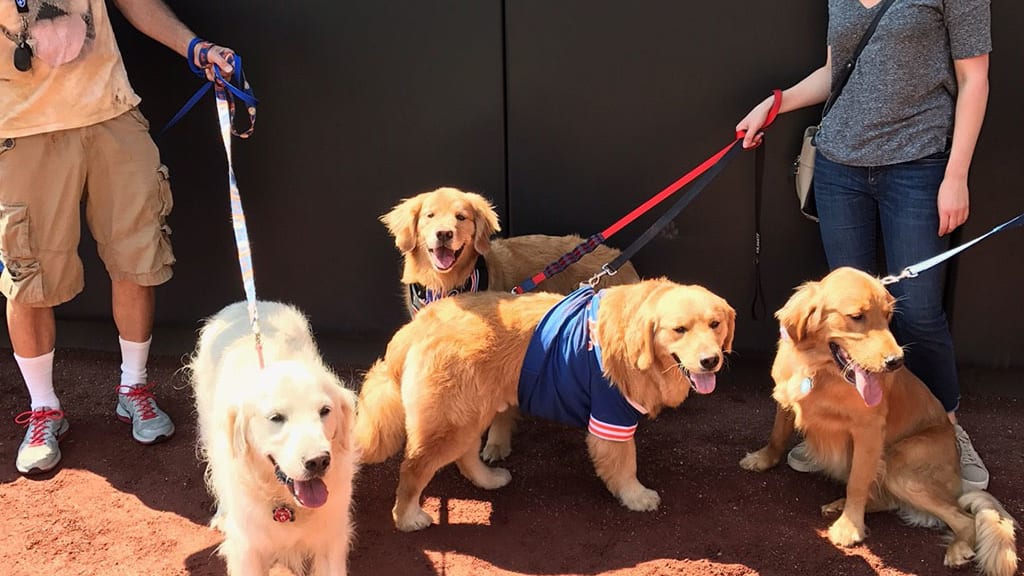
{"x": 844, "y": 75}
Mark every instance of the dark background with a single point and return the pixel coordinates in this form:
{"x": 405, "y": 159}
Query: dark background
{"x": 566, "y": 113}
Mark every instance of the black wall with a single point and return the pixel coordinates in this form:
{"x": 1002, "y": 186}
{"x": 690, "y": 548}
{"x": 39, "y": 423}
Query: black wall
{"x": 566, "y": 113}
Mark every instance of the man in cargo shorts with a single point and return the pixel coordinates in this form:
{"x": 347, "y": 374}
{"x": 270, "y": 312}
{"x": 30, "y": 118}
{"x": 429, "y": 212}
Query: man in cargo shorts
{"x": 71, "y": 133}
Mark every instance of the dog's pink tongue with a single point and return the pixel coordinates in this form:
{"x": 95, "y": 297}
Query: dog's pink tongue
{"x": 868, "y": 386}
{"x": 703, "y": 382}
{"x": 311, "y": 493}
{"x": 444, "y": 258}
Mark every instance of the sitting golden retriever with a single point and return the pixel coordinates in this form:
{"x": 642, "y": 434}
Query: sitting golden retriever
{"x": 869, "y": 422}
{"x": 277, "y": 442}
{"x": 626, "y": 352}
{"x": 445, "y": 240}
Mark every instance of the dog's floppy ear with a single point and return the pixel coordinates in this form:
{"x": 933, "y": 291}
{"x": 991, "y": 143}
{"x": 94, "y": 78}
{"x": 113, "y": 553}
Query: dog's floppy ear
{"x": 401, "y": 222}
{"x": 640, "y": 344}
{"x": 486, "y": 221}
{"x": 802, "y": 314}
{"x": 730, "y": 324}
{"x": 345, "y": 408}
{"x": 236, "y": 430}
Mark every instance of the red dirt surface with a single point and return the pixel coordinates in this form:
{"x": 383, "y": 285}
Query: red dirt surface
{"x": 115, "y": 507}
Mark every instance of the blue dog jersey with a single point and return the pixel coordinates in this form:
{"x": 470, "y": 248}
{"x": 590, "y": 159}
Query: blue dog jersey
{"x": 562, "y": 377}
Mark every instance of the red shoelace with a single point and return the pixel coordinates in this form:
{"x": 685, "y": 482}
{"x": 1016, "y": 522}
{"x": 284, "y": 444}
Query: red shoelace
{"x": 36, "y": 421}
{"x": 140, "y": 396}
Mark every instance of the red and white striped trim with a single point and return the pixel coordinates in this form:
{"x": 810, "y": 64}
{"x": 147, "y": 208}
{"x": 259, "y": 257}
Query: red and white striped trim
{"x": 611, "y": 432}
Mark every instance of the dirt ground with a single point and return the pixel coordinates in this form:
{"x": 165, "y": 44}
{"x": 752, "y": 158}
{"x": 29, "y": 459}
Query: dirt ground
{"x": 115, "y": 507}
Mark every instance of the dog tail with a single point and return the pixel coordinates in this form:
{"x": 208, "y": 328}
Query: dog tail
{"x": 380, "y": 420}
{"x": 996, "y": 546}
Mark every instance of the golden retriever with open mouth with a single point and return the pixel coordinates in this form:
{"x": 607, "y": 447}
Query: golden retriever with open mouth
{"x": 445, "y": 240}
{"x": 869, "y": 422}
{"x": 597, "y": 361}
{"x": 277, "y": 442}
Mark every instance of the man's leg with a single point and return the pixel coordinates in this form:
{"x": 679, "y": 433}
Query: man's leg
{"x": 134, "y": 307}
{"x": 32, "y": 332}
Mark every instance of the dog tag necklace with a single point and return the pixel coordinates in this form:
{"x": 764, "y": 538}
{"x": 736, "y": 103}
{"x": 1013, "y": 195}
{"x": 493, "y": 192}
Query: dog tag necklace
{"x": 22, "y": 51}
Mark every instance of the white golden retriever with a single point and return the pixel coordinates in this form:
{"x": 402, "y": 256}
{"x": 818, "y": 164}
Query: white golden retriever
{"x": 277, "y": 442}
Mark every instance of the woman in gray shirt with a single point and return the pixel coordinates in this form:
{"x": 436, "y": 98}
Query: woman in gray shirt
{"x": 893, "y": 156}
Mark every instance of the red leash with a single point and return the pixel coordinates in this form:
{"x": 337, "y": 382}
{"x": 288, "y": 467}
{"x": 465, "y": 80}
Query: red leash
{"x": 596, "y": 240}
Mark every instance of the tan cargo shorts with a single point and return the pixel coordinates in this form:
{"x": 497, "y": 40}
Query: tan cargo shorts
{"x": 114, "y": 169}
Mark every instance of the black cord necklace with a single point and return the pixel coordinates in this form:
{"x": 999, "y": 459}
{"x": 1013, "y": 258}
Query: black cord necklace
{"x": 22, "y": 51}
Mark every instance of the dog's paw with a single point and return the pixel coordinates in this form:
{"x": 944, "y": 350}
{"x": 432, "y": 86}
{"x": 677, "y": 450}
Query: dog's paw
{"x": 958, "y": 553}
{"x": 758, "y": 461}
{"x": 833, "y": 508}
{"x": 843, "y": 532}
{"x": 497, "y": 478}
{"x": 495, "y": 452}
{"x": 415, "y": 519}
{"x": 641, "y": 499}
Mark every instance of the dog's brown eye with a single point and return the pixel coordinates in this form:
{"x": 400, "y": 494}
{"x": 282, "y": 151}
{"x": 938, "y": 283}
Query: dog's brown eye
{"x": 325, "y": 411}
{"x": 680, "y": 329}
{"x": 856, "y": 317}
{"x": 276, "y": 418}
{"x": 460, "y": 217}
{"x": 430, "y": 214}
{"x": 715, "y": 324}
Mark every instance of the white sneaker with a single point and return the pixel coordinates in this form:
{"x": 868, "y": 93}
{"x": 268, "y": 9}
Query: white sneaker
{"x": 137, "y": 406}
{"x": 40, "y": 450}
{"x": 799, "y": 459}
{"x": 973, "y": 474}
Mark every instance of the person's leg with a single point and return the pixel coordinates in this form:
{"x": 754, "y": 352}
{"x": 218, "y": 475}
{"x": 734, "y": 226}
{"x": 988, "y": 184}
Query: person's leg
{"x": 910, "y": 224}
{"x": 848, "y": 213}
{"x": 42, "y": 176}
{"x": 848, "y": 222}
{"x": 128, "y": 199}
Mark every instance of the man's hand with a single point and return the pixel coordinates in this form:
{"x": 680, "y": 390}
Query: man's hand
{"x": 219, "y": 56}
{"x": 953, "y": 203}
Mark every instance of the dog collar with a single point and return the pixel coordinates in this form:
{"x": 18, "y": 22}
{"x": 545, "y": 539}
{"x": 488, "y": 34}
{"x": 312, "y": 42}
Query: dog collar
{"x": 420, "y": 295}
{"x": 283, "y": 513}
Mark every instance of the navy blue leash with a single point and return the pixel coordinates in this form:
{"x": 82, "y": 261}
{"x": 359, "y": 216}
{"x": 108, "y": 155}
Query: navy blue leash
{"x": 243, "y": 91}
{"x": 915, "y": 269}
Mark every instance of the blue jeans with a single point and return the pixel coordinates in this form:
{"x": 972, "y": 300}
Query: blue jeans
{"x": 854, "y": 204}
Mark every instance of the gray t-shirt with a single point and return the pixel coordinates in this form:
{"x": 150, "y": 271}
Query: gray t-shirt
{"x": 899, "y": 102}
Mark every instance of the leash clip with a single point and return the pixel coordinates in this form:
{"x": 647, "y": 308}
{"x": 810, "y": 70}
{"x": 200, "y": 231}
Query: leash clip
{"x": 906, "y": 273}
{"x": 605, "y": 271}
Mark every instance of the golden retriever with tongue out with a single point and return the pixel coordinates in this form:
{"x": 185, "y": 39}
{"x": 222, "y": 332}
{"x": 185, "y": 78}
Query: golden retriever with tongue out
{"x": 597, "y": 361}
{"x": 278, "y": 443}
{"x": 869, "y": 422}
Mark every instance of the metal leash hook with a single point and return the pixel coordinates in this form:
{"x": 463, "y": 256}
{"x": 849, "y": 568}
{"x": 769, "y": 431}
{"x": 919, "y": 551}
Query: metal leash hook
{"x": 906, "y": 273}
{"x": 605, "y": 271}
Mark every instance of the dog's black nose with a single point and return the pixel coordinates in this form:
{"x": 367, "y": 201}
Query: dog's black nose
{"x": 893, "y": 362}
{"x": 709, "y": 362}
{"x": 319, "y": 464}
{"x": 445, "y": 235}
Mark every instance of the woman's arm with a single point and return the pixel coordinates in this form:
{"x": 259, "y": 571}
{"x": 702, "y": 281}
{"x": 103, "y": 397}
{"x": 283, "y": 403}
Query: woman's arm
{"x": 972, "y": 99}
{"x": 813, "y": 89}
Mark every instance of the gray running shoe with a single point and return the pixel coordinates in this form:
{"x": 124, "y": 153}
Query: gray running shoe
{"x": 40, "y": 450}
{"x": 137, "y": 406}
{"x": 799, "y": 459}
{"x": 973, "y": 474}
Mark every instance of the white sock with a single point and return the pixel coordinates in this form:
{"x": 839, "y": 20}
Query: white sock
{"x": 134, "y": 356}
{"x": 38, "y": 375}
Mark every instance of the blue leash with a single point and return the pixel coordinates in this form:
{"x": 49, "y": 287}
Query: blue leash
{"x": 915, "y": 269}
{"x": 243, "y": 91}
